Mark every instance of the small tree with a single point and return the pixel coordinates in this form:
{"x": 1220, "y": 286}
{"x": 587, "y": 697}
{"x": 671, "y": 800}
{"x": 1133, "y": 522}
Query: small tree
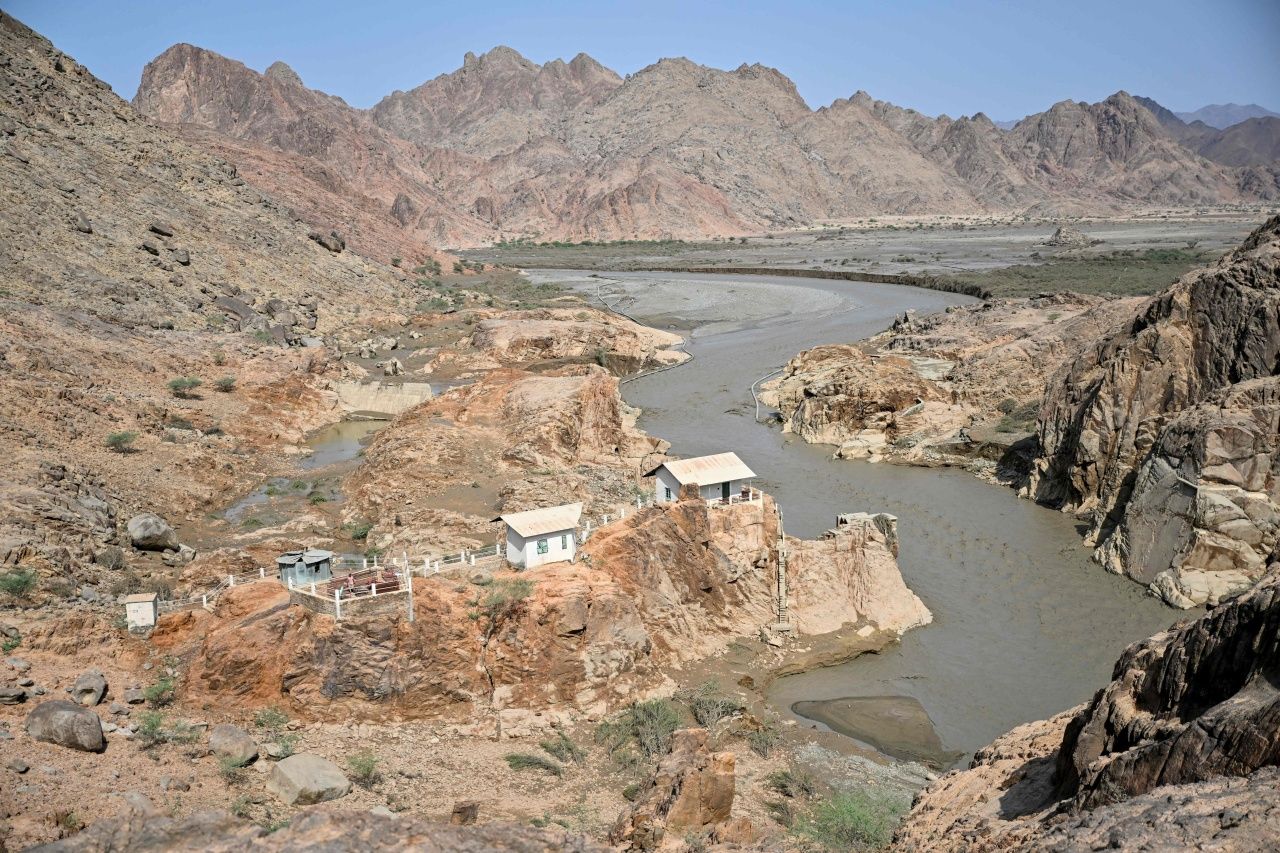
{"x": 183, "y": 386}
{"x": 226, "y": 384}
{"x": 500, "y": 600}
{"x": 18, "y": 583}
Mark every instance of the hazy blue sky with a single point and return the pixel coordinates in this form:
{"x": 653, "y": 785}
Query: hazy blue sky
{"x": 1004, "y": 58}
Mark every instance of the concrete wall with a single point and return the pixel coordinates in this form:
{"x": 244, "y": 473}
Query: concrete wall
{"x": 381, "y": 397}
{"x": 663, "y": 481}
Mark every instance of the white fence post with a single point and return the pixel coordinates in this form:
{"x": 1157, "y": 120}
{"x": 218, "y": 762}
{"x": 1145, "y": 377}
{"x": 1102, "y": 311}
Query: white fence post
{"x": 204, "y": 601}
{"x": 373, "y": 590}
{"x": 337, "y": 603}
{"x": 409, "y": 583}
{"x": 313, "y": 589}
{"x": 364, "y": 562}
{"x": 231, "y": 580}
{"x": 262, "y": 572}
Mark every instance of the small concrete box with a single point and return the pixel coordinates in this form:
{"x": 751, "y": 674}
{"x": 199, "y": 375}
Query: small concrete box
{"x": 141, "y": 610}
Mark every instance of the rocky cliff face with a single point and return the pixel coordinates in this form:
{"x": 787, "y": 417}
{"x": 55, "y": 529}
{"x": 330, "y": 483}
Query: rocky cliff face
{"x": 666, "y": 585}
{"x": 506, "y": 147}
{"x": 1179, "y": 749}
{"x": 1163, "y": 435}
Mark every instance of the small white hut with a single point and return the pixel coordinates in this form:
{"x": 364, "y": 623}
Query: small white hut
{"x": 540, "y": 536}
{"x": 720, "y": 477}
{"x": 141, "y": 610}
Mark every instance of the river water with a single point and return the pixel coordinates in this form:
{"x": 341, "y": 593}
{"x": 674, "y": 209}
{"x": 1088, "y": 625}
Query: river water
{"x": 1025, "y": 625}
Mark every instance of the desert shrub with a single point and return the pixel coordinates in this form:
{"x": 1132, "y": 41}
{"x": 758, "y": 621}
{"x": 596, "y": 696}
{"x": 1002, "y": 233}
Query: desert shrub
{"x": 121, "y": 442}
{"x": 176, "y": 422}
{"x": 1007, "y": 405}
{"x": 502, "y": 598}
{"x": 272, "y": 719}
{"x": 231, "y": 769}
{"x": 395, "y": 262}
{"x": 632, "y": 792}
{"x": 364, "y": 768}
{"x": 764, "y": 739}
{"x": 153, "y": 729}
{"x": 18, "y": 583}
{"x": 851, "y": 820}
{"x": 359, "y": 530}
{"x": 646, "y": 725}
{"x": 184, "y": 386}
{"x": 8, "y": 644}
{"x": 790, "y": 784}
{"x": 240, "y": 805}
{"x": 529, "y": 761}
{"x": 563, "y": 748}
{"x": 161, "y": 693}
{"x": 225, "y": 384}
{"x": 707, "y": 704}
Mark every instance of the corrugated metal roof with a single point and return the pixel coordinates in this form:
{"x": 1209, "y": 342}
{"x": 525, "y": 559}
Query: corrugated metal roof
{"x": 145, "y": 597}
{"x": 550, "y": 519}
{"x": 707, "y": 470}
{"x": 307, "y": 557}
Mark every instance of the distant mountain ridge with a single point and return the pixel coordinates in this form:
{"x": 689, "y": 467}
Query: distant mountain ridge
{"x": 1222, "y": 116}
{"x": 504, "y": 147}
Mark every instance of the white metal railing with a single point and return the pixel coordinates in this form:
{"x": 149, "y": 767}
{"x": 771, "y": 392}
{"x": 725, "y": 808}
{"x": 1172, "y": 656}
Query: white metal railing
{"x": 750, "y": 496}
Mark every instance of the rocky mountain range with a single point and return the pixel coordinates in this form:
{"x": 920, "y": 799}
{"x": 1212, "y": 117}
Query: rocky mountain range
{"x": 1222, "y": 116}
{"x": 505, "y": 148}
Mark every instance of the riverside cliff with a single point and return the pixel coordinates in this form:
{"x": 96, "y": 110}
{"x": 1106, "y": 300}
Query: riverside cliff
{"x": 1179, "y": 751}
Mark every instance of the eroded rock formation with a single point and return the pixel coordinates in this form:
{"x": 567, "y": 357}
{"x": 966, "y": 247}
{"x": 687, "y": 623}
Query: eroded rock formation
{"x": 1165, "y": 434}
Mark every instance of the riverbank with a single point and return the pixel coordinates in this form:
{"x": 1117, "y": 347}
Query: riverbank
{"x": 1025, "y": 624}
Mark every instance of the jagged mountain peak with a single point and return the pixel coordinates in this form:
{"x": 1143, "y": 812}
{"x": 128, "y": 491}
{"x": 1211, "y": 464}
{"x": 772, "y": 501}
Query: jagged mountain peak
{"x": 282, "y": 73}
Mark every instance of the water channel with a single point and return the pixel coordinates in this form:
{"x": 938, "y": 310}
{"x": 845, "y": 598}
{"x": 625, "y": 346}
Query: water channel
{"x": 1025, "y": 625}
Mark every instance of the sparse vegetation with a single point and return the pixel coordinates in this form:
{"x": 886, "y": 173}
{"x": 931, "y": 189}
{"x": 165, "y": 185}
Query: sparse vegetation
{"x": 563, "y": 748}
{"x": 529, "y": 761}
{"x": 240, "y": 806}
{"x": 707, "y": 705}
{"x": 225, "y": 384}
{"x": 851, "y": 820}
{"x": 161, "y": 693}
{"x": 502, "y": 598}
{"x": 763, "y": 740}
{"x": 121, "y": 442}
{"x": 359, "y": 530}
{"x": 8, "y": 644}
{"x": 153, "y": 729}
{"x": 791, "y": 784}
{"x": 647, "y": 726}
{"x": 18, "y": 583}
{"x": 231, "y": 769}
{"x": 184, "y": 386}
{"x": 364, "y": 768}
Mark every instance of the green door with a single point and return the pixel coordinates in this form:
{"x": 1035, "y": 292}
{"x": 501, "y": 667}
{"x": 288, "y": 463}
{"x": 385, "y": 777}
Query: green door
{"x": 724, "y": 491}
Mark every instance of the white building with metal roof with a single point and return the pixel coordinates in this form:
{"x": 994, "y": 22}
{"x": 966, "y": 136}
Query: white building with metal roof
{"x": 539, "y": 536}
{"x": 721, "y": 478}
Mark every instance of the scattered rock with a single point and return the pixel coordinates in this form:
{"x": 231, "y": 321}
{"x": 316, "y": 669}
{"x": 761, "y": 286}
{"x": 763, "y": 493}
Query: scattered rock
{"x": 20, "y": 664}
{"x": 12, "y": 695}
{"x": 232, "y": 742}
{"x": 1067, "y": 235}
{"x": 465, "y": 813}
{"x": 17, "y": 765}
{"x": 150, "y": 532}
{"x": 164, "y": 229}
{"x": 134, "y": 696}
{"x": 305, "y": 779}
{"x": 331, "y": 241}
{"x": 182, "y": 256}
{"x": 66, "y": 724}
{"x": 89, "y": 688}
{"x": 149, "y": 247}
{"x": 82, "y": 223}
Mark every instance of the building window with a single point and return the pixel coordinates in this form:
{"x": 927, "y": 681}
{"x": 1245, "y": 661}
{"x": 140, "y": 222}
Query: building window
{"x": 564, "y": 542}
{"x": 542, "y": 546}
{"x": 668, "y": 491}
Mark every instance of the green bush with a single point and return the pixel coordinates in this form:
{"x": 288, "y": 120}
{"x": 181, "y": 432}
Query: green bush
{"x": 852, "y": 820}
{"x": 18, "y": 583}
{"x": 231, "y": 769}
{"x": 359, "y": 530}
{"x": 708, "y": 705}
{"x": 790, "y": 784}
{"x": 121, "y": 442}
{"x": 502, "y": 598}
{"x": 272, "y": 719}
{"x": 763, "y": 740}
{"x": 364, "y": 768}
{"x": 10, "y": 643}
{"x": 183, "y": 386}
{"x": 153, "y": 729}
{"x": 645, "y": 725}
{"x": 161, "y": 693}
{"x": 528, "y": 761}
{"x": 225, "y": 384}
{"x": 563, "y": 748}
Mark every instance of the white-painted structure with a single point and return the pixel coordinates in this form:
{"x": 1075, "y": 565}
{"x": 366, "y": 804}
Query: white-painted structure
{"x": 539, "y": 536}
{"x": 722, "y": 477}
{"x": 140, "y": 610}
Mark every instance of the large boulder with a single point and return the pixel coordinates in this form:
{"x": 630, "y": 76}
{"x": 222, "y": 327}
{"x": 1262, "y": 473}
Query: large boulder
{"x": 89, "y": 688}
{"x": 233, "y": 743}
{"x": 150, "y": 532}
{"x": 66, "y": 724}
{"x": 690, "y": 792}
{"x": 304, "y": 779}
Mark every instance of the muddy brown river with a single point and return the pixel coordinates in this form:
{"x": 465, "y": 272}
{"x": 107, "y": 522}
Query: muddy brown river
{"x": 1025, "y": 625}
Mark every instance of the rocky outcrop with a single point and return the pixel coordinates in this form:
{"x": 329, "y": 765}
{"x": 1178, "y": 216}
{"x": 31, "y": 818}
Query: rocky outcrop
{"x": 1181, "y": 746}
{"x": 150, "y": 532}
{"x": 668, "y": 584}
{"x": 1165, "y": 434}
{"x": 558, "y": 334}
{"x": 1067, "y": 236}
{"x": 690, "y": 793}
{"x": 233, "y": 744}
